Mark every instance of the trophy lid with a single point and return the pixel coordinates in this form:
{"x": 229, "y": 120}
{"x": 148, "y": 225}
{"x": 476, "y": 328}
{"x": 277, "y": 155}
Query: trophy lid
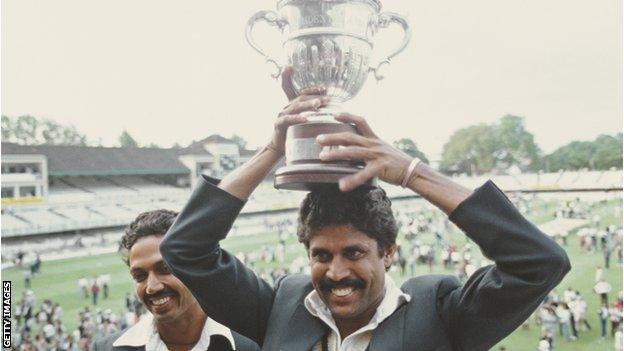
{"x": 375, "y": 3}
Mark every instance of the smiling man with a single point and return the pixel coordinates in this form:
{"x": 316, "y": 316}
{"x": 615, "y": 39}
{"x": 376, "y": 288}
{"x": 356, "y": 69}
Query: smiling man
{"x": 348, "y": 303}
{"x": 175, "y": 320}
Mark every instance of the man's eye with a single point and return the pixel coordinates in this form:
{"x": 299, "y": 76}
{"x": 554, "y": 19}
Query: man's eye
{"x": 139, "y": 277}
{"x": 354, "y": 254}
{"x": 164, "y": 270}
{"x": 322, "y": 257}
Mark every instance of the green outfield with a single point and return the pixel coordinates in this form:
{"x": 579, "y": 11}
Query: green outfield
{"x": 58, "y": 280}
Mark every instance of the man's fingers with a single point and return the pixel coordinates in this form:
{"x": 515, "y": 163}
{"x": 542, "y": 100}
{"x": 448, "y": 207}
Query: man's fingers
{"x": 353, "y": 153}
{"x": 286, "y": 121}
{"x": 360, "y": 123}
{"x": 311, "y": 104}
{"x": 314, "y": 91}
{"x": 353, "y": 181}
{"x": 345, "y": 139}
{"x": 287, "y": 85}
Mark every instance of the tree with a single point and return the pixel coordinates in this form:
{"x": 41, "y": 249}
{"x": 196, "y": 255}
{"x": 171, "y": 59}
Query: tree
{"x": 601, "y": 154}
{"x": 25, "y": 130}
{"x": 470, "y": 150}
{"x": 29, "y": 130}
{"x": 488, "y": 147}
{"x": 126, "y": 140}
{"x": 608, "y": 152}
{"x": 242, "y": 143}
{"x": 409, "y": 147}
{"x": 7, "y": 128}
{"x": 516, "y": 145}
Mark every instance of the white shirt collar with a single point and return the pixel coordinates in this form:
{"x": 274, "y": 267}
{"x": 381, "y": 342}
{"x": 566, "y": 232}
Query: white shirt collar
{"x": 144, "y": 333}
{"x": 393, "y": 299}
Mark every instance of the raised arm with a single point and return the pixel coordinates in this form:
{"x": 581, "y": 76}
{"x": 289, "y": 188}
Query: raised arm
{"x": 496, "y": 299}
{"x": 226, "y": 289}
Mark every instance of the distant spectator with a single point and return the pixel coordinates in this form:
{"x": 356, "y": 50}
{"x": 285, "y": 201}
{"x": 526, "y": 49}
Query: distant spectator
{"x": 603, "y": 288}
{"x": 615, "y": 316}
{"x": 27, "y": 276}
{"x": 83, "y": 284}
{"x": 95, "y": 291}
{"x": 603, "y": 315}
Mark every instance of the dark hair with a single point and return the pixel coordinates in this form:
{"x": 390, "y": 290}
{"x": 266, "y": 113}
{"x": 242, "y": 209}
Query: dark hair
{"x": 147, "y": 223}
{"x": 366, "y": 209}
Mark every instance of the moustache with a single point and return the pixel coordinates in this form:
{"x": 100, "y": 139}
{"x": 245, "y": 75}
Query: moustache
{"x": 327, "y": 284}
{"x": 158, "y": 295}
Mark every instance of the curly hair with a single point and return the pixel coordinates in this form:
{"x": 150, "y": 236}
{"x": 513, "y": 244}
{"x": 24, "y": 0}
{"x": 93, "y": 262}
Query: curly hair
{"x": 366, "y": 209}
{"x": 155, "y": 222}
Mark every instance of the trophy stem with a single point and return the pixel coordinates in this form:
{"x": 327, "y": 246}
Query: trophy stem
{"x": 324, "y": 114}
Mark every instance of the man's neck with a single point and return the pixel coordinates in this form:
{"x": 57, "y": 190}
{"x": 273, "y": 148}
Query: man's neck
{"x": 182, "y": 334}
{"x": 347, "y": 327}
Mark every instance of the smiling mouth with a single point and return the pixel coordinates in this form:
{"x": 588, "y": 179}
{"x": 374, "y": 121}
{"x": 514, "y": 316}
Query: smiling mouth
{"x": 161, "y": 301}
{"x": 343, "y": 292}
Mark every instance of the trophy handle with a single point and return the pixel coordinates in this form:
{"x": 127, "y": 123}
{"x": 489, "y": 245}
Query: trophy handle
{"x": 384, "y": 20}
{"x": 272, "y": 18}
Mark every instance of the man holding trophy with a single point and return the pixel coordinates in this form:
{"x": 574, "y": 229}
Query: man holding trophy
{"x": 347, "y": 225}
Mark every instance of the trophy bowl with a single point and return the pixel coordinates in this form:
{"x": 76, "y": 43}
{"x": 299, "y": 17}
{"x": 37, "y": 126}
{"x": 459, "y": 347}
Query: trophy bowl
{"x": 329, "y": 44}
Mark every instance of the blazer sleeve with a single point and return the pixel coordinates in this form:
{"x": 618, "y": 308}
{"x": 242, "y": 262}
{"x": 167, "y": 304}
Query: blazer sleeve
{"x": 496, "y": 299}
{"x": 226, "y": 289}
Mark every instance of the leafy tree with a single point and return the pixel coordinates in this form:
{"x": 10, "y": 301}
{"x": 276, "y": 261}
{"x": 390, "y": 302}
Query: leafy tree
{"x": 25, "y": 130}
{"x": 126, "y": 140}
{"x": 470, "y": 150}
{"x": 7, "y": 128}
{"x": 487, "y": 147}
{"x": 603, "y": 153}
{"x": 608, "y": 151}
{"x": 242, "y": 143}
{"x": 409, "y": 147}
{"x": 516, "y": 145}
{"x": 29, "y": 130}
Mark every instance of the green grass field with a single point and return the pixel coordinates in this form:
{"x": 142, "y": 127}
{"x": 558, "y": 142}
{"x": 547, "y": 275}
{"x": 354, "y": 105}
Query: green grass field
{"x": 58, "y": 280}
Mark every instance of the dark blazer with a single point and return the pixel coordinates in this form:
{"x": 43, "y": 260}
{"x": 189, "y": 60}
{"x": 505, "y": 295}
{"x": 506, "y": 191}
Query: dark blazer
{"x": 441, "y": 315}
{"x": 217, "y": 343}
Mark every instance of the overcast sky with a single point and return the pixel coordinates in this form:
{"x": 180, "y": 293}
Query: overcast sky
{"x": 177, "y": 71}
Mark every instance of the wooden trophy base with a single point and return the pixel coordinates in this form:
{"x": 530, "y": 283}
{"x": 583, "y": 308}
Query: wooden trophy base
{"x": 304, "y": 170}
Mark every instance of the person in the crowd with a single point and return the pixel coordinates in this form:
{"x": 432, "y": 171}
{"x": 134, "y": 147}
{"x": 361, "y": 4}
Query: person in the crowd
{"x": 603, "y": 316}
{"x": 176, "y": 321}
{"x": 348, "y": 302}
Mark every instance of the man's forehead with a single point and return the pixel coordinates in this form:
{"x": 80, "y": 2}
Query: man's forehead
{"x": 343, "y": 235}
{"x": 145, "y": 251}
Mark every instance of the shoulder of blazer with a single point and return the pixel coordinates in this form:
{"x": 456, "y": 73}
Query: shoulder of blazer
{"x": 244, "y": 344}
{"x": 106, "y": 343}
{"x": 293, "y": 286}
{"x": 439, "y": 285}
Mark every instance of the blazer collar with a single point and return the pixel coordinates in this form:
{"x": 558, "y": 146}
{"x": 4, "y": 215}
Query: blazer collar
{"x": 304, "y": 330}
{"x": 139, "y": 334}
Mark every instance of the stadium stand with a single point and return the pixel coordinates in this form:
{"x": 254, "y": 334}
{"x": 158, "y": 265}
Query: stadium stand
{"x": 82, "y": 188}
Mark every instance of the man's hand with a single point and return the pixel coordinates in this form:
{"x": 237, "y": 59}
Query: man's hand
{"x": 309, "y": 100}
{"x": 382, "y": 160}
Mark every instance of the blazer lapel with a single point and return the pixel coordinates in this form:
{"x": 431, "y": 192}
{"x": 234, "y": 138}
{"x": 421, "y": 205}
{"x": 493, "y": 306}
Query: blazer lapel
{"x": 388, "y": 335}
{"x": 304, "y": 330}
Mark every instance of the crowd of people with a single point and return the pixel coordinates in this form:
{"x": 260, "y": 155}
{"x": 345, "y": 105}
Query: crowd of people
{"x": 40, "y": 328}
{"x": 424, "y": 243}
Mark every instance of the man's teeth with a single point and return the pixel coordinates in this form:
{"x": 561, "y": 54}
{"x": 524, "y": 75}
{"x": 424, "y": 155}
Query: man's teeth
{"x": 342, "y": 292}
{"x": 162, "y": 301}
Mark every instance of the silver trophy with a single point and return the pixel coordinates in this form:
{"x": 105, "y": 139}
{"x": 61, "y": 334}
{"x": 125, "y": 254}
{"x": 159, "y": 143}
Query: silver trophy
{"x": 328, "y": 43}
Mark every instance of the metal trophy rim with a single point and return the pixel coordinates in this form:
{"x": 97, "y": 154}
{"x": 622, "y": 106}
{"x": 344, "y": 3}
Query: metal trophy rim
{"x": 374, "y": 3}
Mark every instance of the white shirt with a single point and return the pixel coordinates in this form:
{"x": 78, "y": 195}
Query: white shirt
{"x": 144, "y": 333}
{"x": 359, "y": 340}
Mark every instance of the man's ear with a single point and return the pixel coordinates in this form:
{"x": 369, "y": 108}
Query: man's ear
{"x": 388, "y": 255}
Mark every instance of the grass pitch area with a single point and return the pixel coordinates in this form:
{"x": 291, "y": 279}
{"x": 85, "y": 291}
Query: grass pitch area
{"x": 58, "y": 280}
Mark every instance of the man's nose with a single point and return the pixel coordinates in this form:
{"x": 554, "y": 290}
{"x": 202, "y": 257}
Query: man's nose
{"x": 154, "y": 285}
{"x": 338, "y": 270}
